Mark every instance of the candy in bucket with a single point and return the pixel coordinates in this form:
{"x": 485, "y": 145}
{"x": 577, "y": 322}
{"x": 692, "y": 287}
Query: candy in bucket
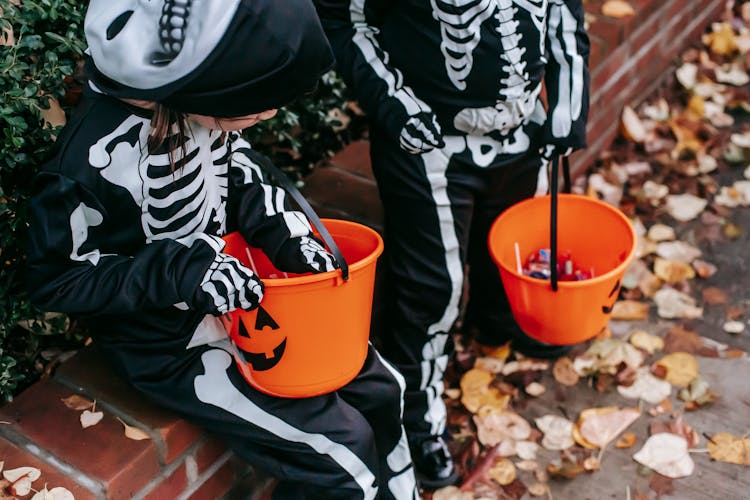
{"x": 537, "y": 265}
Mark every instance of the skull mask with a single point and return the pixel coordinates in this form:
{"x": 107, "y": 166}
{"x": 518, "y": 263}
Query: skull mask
{"x": 148, "y": 44}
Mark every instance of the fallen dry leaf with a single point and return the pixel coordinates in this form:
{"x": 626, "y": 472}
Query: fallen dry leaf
{"x": 538, "y": 489}
{"x": 452, "y": 493}
{"x": 687, "y": 75}
{"x": 725, "y": 447}
{"x": 599, "y": 428}
{"x": 525, "y": 365}
{"x": 134, "y": 433}
{"x": 22, "y": 487}
{"x": 646, "y": 341}
{"x": 672, "y": 271}
{"x": 646, "y": 387}
{"x": 526, "y": 450}
{"x": 592, "y": 464}
{"x": 491, "y": 365}
{"x": 673, "y": 304}
{"x": 564, "y": 372}
{"x": 678, "y": 427}
{"x": 678, "y": 250}
{"x": 661, "y": 232}
{"x": 57, "y": 493}
{"x": 535, "y": 389}
{"x": 626, "y": 440}
{"x": 666, "y": 454}
{"x": 685, "y": 207}
{"x": 698, "y": 393}
{"x": 732, "y": 230}
{"x": 609, "y": 353}
{"x": 713, "y": 296}
{"x": 76, "y": 402}
{"x": 558, "y": 432}
{"x": 704, "y": 269}
{"x": 14, "y": 475}
{"x": 721, "y": 40}
{"x": 681, "y": 368}
{"x": 89, "y": 418}
{"x": 631, "y": 125}
{"x": 617, "y": 9}
{"x": 734, "y": 327}
{"x": 565, "y": 469}
{"x": 503, "y": 472}
{"x": 630, "y": 310}
{"x": 495, "y": 426}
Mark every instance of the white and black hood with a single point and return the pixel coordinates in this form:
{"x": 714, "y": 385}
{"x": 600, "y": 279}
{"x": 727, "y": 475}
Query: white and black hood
{"x": 220, "y": 58}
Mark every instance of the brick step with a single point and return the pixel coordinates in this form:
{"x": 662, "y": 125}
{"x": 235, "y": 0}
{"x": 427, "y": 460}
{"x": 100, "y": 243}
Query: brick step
{"x": 178, "y": 461}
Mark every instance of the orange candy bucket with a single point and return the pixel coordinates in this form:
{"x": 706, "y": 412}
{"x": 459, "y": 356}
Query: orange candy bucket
{"x": 311, "y": 332}
{"x": 598, "y": 235}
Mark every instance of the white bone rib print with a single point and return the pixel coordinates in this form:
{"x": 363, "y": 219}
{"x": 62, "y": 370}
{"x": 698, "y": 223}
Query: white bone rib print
{"x": 460, "y": 34}
{"x": 156, "y": 189}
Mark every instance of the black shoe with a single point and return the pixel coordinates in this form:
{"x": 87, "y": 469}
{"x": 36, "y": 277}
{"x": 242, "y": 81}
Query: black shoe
{"x": 433, "y": 463}
{"x": 520, "y": 342}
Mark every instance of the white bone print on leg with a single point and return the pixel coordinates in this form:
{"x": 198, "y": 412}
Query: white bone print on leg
{"x": 215, "y": 388}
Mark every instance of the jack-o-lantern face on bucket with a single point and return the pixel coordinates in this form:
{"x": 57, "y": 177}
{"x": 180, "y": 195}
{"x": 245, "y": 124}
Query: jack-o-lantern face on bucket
{"x": 262, "y": 346}
{"x": 606, "y": 309}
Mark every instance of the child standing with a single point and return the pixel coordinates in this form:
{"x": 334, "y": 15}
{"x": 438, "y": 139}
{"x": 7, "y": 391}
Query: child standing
{"x": 127, "y": 222}
{"x": 459, "y": 133}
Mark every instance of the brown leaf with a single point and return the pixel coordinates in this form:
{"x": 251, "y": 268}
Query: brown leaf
{"x": 76, "y": 402}
{"x": 564, "y": 372}
{"x": 734, "y": 312}
{"x": 599, "y": 429}
{"x": 732, "y": 230}
{"x": 672, "y": 271}
{"x": 567, "y": 469}
{"x": 704, "y": 269}
{"x": 134, "y": 433}
{"x": 713, "y": 296}
{"x": 646, "y": 341}
{"x": 676, "y": 426}
{"x": 661, "y": 485}
{"x": 631, "y": 125}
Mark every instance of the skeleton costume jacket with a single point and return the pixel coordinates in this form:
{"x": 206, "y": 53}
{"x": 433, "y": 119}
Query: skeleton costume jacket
{"x": 128, "y": 236}
{"x": 478, "y": 65}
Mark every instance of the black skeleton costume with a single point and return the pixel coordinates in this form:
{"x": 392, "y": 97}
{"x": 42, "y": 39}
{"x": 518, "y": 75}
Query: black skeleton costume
{"x": 130, "y": 239}
{"x": 453, "y": 90}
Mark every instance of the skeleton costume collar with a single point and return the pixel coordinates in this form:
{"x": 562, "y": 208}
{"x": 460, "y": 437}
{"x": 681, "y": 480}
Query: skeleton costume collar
{"x": 222, "y": 58}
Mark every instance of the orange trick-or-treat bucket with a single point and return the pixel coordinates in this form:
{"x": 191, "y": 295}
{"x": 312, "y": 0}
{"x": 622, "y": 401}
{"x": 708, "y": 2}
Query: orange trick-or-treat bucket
{"x": 310, "y": 334}
{"x": 599, "y": 236}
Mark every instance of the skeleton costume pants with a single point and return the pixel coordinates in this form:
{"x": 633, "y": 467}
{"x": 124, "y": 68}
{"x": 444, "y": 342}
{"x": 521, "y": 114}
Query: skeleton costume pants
{"x": 437, "y": 216}
{"x": 344, "y": 445}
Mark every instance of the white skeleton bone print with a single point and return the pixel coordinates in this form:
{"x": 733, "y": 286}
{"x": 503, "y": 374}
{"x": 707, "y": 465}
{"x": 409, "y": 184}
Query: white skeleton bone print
{"x": 461, "y": 34}
{"x": 173, "y": 203}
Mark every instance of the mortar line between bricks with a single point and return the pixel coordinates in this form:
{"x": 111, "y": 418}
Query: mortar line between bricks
{"x": 161, "y": 446}
{"x": 205, "y": 476}
{"x": 167, "y": 470}
{"x": 95, "y": 486}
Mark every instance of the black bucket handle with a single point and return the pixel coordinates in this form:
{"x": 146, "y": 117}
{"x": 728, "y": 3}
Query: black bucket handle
{"x": 553, "y": 211}
{"x": 281, "y": 179}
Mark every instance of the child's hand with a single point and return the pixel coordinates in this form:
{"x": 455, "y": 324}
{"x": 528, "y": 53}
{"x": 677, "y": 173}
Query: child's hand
{"x": 226, "y": 286}
{"x": 304, "y": 254}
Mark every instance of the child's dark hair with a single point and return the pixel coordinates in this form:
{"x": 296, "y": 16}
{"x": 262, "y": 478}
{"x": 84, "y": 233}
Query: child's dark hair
{"x": 164, "y": 121}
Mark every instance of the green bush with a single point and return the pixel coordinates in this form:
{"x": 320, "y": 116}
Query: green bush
{"x": 41, "y": 46}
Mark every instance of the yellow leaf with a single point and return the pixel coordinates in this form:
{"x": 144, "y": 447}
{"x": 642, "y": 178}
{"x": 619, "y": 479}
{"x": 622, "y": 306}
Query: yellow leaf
{"x": 617, "y": 9}
{"x": 502, "y": 472}
{"x": 721, "y": 40}
{"x": 681, "y": 368}
{"x": 673, "y": 271}
{"x": 725, "y": 447}
{"x": 626, "y": 440}
{"x": 646, "y": 341}
{"x": 134, "y": 432}
{"x": 697, "y": 106}
{"x": 630, "y": 310}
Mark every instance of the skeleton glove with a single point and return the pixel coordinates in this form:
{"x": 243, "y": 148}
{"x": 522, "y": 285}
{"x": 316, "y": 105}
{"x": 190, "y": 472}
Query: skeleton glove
{"x": 304, "y": 254}
{"x": 421, "y": 134}
{"x": 226, "y": 286}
